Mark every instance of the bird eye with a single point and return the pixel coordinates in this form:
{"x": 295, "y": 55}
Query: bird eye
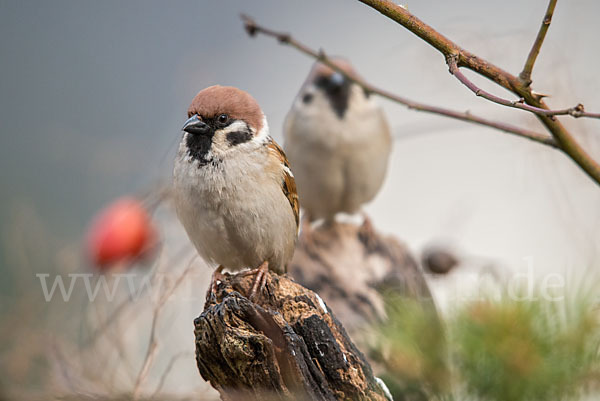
{"x": 307, "y": 98}
{"x": 222, "y": 119}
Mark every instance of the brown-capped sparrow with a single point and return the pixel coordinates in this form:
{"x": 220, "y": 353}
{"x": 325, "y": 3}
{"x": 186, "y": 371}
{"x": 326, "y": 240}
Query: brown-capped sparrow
{"x": 233, "y": 189}
{"x": 338, "y": 142}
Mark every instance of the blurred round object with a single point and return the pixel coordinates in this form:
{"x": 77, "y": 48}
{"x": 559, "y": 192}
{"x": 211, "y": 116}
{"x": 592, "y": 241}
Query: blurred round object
{"x": 438, "y": 260}
{"x": 120, "y": 233}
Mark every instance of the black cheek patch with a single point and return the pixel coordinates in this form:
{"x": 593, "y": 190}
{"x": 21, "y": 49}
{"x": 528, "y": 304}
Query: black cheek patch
{"x": 237, "y": 137}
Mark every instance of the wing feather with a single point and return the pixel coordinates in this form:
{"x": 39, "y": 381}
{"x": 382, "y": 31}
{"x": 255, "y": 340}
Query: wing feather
{"x": 289, "y": 184}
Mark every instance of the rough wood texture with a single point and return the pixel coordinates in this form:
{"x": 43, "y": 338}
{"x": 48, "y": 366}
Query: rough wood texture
{"x": 350, "y": 266}
{"x": 355, "y": 269}
{"x": 288, "y": 345}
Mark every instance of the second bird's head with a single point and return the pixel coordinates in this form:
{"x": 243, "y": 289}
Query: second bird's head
{"x": 221, "y": 121}
{"x": 328, "y": 89}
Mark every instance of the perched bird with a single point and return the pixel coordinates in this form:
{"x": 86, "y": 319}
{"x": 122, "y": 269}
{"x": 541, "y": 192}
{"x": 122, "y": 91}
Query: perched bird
{"x": 234, "y": 191}
{"x": 437, "y": 259}
{"x": 338, "y": 143}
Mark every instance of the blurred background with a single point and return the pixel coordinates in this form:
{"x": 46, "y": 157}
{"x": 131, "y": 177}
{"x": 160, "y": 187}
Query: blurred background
{"x": 93, "y": 96}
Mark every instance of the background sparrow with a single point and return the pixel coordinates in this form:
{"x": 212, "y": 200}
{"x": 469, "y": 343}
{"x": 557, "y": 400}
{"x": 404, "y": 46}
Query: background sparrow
{"x": 233, "y": 189}
{"x": 338, "y": 143}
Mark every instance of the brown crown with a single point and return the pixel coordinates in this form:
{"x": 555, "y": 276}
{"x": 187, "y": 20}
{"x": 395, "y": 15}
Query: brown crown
{"x": 215, "y": 100}
{"x": 322, "y": 70}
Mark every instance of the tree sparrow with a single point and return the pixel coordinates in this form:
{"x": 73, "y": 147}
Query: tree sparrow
{"x": 233, "y": 189}
{"x": 338, "y": 143}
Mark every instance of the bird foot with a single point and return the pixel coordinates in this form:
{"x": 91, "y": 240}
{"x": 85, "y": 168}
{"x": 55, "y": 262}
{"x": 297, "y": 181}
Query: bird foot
{"x": 259, "y": 281}
{"x": 216, "y": 277}
{"x": 367, "y": 235}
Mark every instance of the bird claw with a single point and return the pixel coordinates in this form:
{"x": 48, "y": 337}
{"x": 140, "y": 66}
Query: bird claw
{"x": 214, "y": 283}
{"x": 259, "y": 281}
{"x": 367, "y": 235}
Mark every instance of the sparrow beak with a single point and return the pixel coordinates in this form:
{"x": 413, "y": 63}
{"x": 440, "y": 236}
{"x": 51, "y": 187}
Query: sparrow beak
{"x": 337, "y": 79}
{"x": 195, "y": 126}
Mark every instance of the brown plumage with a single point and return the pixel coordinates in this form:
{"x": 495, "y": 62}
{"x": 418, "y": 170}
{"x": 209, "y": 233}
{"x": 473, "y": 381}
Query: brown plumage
{"x": 289, "y": 184}
{"x": 238, "y": 104}
{"x": 323, "y": 70}
{"x": 233, "y": 188}
{"x": 338, "y": 143}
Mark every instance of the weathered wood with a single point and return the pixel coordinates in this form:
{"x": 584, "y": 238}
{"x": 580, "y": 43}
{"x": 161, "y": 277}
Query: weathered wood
{"x": 288, "y": 345}
{"x": 351, "y": 266}
{"x": 356, "y": 269}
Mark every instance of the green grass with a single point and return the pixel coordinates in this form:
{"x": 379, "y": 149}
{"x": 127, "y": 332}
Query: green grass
{"x": 489, "y": 350}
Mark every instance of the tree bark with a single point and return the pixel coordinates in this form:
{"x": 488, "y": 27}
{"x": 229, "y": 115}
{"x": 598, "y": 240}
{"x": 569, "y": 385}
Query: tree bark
{"x": 287, "y": 345}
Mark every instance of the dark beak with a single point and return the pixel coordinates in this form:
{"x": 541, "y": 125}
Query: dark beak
{"x": 196, "y": 126}
{"x": 337, "y": 80}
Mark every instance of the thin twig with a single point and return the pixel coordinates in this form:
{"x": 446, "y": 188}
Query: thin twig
{"x": 253, "y": 28}
{"x": 163, "y": 377}
{"x": 126, "y": 303}
{"x": 576, "y": 111}
{"x": 115, "y": 336}
{"x": 152, "y": 343}
{"x": 503, "y": 78}
{"x": 525, "y": 75}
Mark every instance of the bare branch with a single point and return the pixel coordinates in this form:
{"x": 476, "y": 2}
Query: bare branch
{"x": 464, "y": 58}
{"x": 525, "y": 75}
{"x": 168, "y": 369}
{"x": 153, "y": 343}
{"x": 253, "y": 28}
{"x": 580, "y": 112}
{"x": 576, "y": 111}
{"x": 115, "y": 315}
{"x": 467, "y": 59}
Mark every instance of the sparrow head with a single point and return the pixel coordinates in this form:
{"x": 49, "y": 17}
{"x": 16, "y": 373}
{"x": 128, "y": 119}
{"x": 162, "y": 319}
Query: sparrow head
{"x": 326, "y": 84}
{"x": 221, "y": 120}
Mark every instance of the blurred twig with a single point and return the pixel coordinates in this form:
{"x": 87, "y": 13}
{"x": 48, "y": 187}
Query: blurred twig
{"x": 153, "y": 344}
{"x": 126, "y": 303}
{"x": 253, "y": 28}
{"x": 163, "y": 377}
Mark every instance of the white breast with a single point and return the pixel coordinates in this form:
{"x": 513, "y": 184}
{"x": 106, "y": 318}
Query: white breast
{"x": 339, "y": 164}
{"x": 234, "y": 212}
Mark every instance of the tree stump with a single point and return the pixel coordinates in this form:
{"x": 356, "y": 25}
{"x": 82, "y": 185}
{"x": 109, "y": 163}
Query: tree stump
{"x": 288, "y": 345}
{"x": 350, "y": 266}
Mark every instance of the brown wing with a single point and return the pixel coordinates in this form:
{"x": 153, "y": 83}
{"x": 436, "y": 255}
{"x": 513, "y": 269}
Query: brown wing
{"x": 289, "y": 184}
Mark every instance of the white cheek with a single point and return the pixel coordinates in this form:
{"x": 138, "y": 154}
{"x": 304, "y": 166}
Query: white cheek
{"x": 358, "y": 100}
{"x": 318, "y": 99}
{"x": 263, "y": 134}
{"x": 308, "y": 91}
{"x": 316, "y": 111}
{"x": 221, "y": 146}
{"x": 233, "y": 127}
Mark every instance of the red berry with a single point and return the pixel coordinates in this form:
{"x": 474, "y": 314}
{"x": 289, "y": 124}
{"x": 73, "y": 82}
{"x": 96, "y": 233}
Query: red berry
{"x": 122, "y": 232}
